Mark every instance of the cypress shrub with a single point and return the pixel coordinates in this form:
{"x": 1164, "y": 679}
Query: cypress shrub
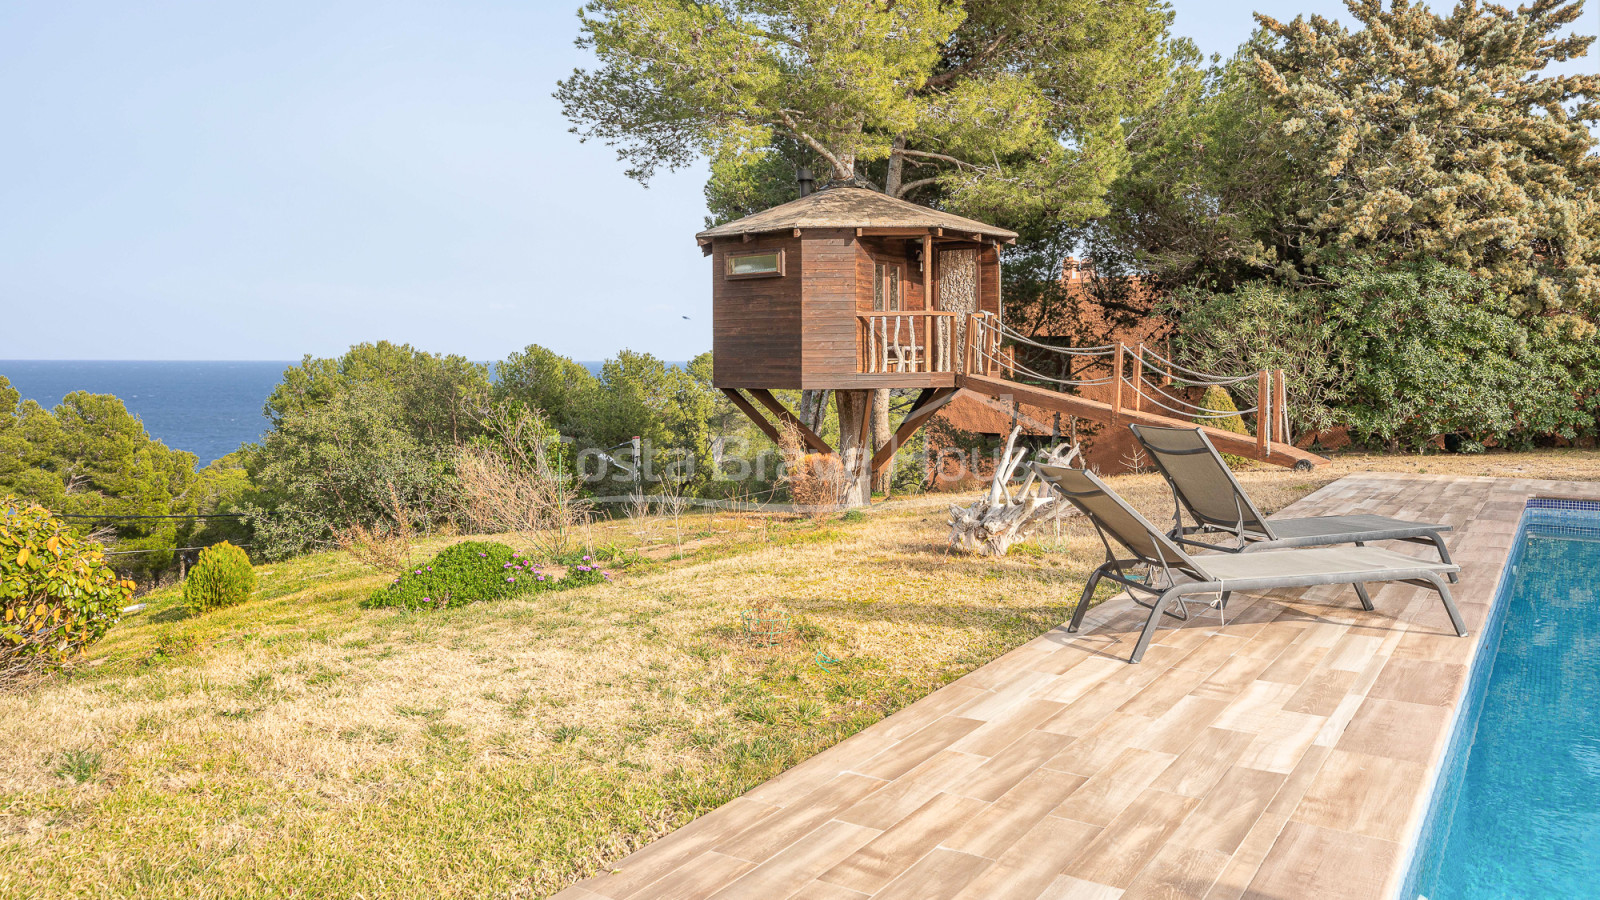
{"x": 1217, "y": 397}
{"x": 222, "y": 577}
{"x": 57, "y": 593}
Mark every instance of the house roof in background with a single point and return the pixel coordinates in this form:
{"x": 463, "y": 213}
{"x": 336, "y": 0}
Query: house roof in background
{"x": 844, "y": 206}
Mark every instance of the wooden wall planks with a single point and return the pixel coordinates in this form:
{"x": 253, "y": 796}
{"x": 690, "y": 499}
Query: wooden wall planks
{"x": 800, "y": 330}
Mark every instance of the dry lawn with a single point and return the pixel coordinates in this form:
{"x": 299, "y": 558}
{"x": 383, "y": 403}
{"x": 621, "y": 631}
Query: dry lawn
{"x": 301, "y": 746}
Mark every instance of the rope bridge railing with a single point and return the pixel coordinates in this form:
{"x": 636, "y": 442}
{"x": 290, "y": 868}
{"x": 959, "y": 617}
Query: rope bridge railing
{"x": 1140, "y": 379}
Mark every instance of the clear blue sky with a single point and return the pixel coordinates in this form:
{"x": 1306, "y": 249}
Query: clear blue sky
{"x": 205, "y": 180}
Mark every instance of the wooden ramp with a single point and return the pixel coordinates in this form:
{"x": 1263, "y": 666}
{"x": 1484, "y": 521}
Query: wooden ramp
{"x": 1259, "y": 447}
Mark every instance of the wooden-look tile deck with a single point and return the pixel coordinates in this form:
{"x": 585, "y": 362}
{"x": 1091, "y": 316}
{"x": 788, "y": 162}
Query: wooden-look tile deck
{"x": 1282, "y": 755}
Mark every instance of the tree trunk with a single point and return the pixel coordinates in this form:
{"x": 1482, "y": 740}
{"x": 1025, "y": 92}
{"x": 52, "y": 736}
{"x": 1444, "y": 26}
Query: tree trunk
{"x": 855, "y": 446}
{"x": 881, "y": 435}
{"x": 819, "y": 411}
{"x": 809, "y": 400}
{"x": 897, "y": 166}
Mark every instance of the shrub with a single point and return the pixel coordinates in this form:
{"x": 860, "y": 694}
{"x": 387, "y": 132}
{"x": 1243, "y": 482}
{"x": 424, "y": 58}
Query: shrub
{"x": 58, "y": 593}
{"x": 222, "y": 577}
{"x": 1217, "y": 397}
{"x": 582, "y": 575}
{"x": 463, "y": 573}
{"x": 478, "y": 570}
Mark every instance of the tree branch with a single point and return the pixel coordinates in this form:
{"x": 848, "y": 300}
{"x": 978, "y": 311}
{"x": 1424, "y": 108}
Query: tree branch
{"x": 939, "y": 156}
{"x": 909, "y": 186}
{"x": 943, "y": 79}
{"x": 795, "y": 129}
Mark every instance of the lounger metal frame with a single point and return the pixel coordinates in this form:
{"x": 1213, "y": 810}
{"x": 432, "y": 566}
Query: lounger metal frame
{"x": 1252, "y": 530}
{"x": 1175, "y": 576}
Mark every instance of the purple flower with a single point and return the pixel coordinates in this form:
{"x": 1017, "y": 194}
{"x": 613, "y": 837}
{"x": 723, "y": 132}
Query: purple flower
{"x": 586, "y": 559}
{"x": 506, "y": 566}
{"x": 483, "y": 554}
{"x": 541, "y": 577}
{"x": 511, "y": 579}
{"x": 430, "y": 568}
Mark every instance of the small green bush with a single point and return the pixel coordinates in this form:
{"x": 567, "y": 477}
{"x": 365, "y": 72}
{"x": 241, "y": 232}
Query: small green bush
{"x": 1217, "y": 397}
{"x": 478, "y": 570}
{"x": 57, "y": 591}
{"x": 222, "y": 577}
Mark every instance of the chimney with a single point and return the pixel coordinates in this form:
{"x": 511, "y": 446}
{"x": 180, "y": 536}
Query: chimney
{"x": 802, "y": 174}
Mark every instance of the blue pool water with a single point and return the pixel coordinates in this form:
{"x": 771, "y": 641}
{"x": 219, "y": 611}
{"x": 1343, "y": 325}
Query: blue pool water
{"x": 1517, "y": 810}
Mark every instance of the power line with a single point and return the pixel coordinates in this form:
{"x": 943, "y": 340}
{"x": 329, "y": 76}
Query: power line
{"x": 107, "y": 518}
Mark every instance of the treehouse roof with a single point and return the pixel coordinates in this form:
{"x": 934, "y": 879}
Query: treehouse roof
{"x": 854, "y": 207}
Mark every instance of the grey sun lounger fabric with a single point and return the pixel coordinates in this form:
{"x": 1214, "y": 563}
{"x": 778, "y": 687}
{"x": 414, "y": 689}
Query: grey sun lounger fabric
{"x": 1175, "y": 575}
{"x": 1204, "y": 486}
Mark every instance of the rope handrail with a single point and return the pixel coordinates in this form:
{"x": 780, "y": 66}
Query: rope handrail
{"x": 1201, "y": 414}
{"x": 1143, "y": 391}
{"x": 1097, "y": 350}
{"x": 1016, "y": 366}
{"x": 1144, "y": 350}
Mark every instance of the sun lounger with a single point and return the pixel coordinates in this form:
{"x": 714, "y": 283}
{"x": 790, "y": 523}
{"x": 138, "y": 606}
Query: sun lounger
{"x": 1175, "y": 577}
{"x": 1204, "y": 486}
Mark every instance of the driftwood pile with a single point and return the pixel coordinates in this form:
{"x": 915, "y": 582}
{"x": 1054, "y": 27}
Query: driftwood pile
{"x": 1000, "y": 518}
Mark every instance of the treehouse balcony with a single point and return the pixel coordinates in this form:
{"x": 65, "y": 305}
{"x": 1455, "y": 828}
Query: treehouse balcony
{"x": 900, "y": 343}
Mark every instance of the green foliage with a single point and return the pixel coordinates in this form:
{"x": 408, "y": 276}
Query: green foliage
{"x": 79, "y": 766}
{"x": 1432, "y": 350}
{"x": 537, "y": 378}
{"x": 1261, "y": 325}
{"x": 1404, "y": 353}
{"x": 58, "y": 593}
{"x": 478, "y": 570}
{"x": 90, "y": 457}
{"x": 999, "y": 107}
{"x": 1217, "y": 397}
{"x": 1212, "y": 195}
{"x": 222, "y": 577}
{"x": 460, "y": 574}
{"x": 582, "y": 575}
{"x": 350, "y": 435}
{"x": 1437, "y": 138}
{"x": 674, "y": 411}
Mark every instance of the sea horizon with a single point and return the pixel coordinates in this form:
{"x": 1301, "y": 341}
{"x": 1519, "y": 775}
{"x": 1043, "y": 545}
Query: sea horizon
{"x": 208, "y": 407}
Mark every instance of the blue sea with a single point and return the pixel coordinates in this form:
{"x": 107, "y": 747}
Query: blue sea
{"x": 206, "y": 408}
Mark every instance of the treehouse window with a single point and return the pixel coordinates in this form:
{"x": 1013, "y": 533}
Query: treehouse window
{"x": 756, "y": 265}
{"x": 886, "y": 288}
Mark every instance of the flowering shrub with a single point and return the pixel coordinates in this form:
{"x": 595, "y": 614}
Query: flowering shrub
{"x": 56, "y": 590}
{"x": 583, "y": 574}
{"x": 477, "y": 570}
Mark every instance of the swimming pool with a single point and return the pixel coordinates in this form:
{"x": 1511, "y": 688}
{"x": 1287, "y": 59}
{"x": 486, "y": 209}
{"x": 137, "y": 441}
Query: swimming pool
{"x": 1516, "y": 809}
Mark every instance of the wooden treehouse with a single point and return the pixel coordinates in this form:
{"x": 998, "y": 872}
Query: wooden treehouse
{"x": 849, "y": 290}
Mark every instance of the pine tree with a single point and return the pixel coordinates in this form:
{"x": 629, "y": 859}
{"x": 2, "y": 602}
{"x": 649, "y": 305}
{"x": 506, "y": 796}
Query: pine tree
{"x": 1438, "y": 137}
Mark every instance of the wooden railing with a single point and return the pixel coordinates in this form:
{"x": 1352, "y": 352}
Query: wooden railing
{"x": 897, "y": 342}
{"x": 981, "y": 352}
